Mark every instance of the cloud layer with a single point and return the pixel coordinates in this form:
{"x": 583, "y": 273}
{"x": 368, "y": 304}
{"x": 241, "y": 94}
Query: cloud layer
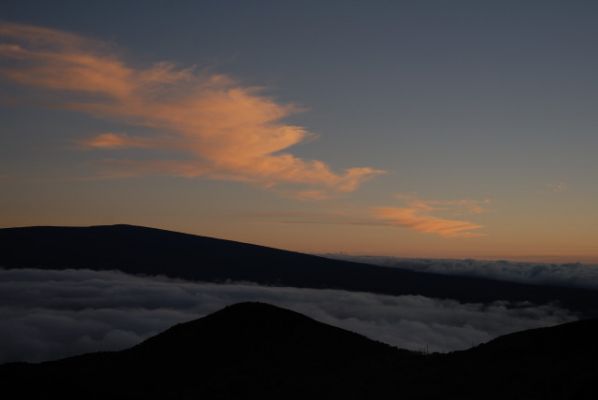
{"x": 419, "y": 215}
{"x": 570, "y": 274}
{"x": 47, "y": 314}
{"x": 220, "y": 129}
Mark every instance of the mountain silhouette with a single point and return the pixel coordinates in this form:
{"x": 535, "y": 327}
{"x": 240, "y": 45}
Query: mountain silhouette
{"x": 255, "y": 350}
{"x": 248, "y": 348}
{"x": 150, "y": 251}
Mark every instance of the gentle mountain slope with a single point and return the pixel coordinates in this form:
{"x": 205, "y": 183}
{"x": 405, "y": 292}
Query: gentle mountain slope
{"x": 260, "y": 351}
{"x": 151, "y": 251}
{"x": 547, "y": 363}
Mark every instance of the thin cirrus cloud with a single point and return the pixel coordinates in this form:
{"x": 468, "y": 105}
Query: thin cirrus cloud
{"x": 557, "y": 187}
{"x": 221, "y": 129}
{"x": 421, "y": 215}
{"x": 112, "y": 140}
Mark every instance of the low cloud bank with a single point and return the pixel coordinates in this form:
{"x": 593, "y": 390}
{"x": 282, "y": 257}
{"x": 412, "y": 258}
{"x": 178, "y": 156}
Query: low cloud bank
{"x": 49, "y": 314}
{"x": 570, "y": 274}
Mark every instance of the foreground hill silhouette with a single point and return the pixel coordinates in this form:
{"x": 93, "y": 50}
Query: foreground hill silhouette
{"x": 255, "y": 350}
{"x": 140, "y": 250}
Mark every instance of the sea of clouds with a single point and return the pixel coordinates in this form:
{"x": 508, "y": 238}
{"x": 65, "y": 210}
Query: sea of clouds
{"x": 49, "y": 314}
{"x": 569, "y": 274}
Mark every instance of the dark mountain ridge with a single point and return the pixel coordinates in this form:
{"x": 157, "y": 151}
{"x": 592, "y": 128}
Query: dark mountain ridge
{"x": 150, "y": 251}
{"x": 259, "y": 350}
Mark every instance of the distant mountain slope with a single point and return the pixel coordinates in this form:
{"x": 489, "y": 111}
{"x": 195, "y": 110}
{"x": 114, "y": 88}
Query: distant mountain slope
{"x": 254, "y": 350}
{"x": 141, "y": 250}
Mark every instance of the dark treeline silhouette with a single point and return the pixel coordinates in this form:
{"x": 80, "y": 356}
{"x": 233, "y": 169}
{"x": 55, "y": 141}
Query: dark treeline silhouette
{"x": 140, "y": 250}
{"x": 254, "y": 350}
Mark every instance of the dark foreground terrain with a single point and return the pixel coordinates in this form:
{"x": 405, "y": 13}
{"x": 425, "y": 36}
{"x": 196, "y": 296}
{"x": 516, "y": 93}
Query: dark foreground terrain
{"x": 148, "y": 251}
{"x": 255, "y": 350}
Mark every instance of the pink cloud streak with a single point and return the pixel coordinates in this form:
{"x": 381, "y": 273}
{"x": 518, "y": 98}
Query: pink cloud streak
{"x": 419, "y": 215}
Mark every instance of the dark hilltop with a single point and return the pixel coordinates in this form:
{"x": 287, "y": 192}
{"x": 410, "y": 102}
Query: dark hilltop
{"x": 262, "y": 351}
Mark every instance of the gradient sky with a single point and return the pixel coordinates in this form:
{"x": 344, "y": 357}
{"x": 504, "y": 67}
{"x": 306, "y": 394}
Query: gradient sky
{"x": 409, "y": 128}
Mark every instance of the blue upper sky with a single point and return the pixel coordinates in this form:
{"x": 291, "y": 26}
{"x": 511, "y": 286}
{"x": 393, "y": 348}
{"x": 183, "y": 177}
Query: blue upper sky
{"x": 491, "y": 103}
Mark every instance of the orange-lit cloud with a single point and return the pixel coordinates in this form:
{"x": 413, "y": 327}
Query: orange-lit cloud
{"x": 111, "y": 140}
{"x": 310, "y": 195}
{"x": 221, "y": 129}
{"x": 419, "y": 215}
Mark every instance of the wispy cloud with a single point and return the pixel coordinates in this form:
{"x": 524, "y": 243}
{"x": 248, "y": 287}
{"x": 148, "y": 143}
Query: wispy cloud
{"x": 220, "y": 128}
{"x": 419, "y": 214}
{"x": 557, "y": 187}
{"x": 111, "y": 140}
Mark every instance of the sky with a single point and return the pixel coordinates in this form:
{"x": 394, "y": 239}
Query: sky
{"x": 437, "y": 129}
